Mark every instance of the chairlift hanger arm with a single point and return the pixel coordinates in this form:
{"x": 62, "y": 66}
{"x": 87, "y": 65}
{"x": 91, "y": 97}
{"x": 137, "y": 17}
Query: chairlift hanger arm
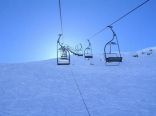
{"x": 114, "y": 35}
{"x": 89, "y": 44}
{"x": 61, "y": 44}
{"x": 58, "y": 41}
{"x": 113, "y": 38}
{"x": 111, "y": 28}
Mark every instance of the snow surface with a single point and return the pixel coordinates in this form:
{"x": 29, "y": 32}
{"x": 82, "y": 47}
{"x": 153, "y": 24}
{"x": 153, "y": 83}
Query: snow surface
{"x": 45, "y": 89}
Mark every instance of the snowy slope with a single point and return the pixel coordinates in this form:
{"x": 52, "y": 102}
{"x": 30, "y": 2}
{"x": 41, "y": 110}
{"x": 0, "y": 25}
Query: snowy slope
{"x": 45, "y": 89}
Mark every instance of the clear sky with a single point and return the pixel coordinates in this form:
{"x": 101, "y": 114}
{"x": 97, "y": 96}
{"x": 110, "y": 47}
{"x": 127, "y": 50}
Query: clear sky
{"x": 29, "y": 28}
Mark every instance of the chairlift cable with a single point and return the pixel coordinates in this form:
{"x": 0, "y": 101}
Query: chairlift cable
{"x": 129, "y": 12}
{"x": 60, "y": 12}
{"x": 98, "y": 32}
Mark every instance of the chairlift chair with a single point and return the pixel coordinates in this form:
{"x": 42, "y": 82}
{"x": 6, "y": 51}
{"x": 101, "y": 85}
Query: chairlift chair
{"x": 112, "y": 57}
{"x": 88, "y": 51}
{"x": 79, "y": 50}
{"x": 63, "y": 55}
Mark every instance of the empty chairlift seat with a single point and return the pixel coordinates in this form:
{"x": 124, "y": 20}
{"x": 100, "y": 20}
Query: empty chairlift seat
{"x": 63, "y": 55}
{"x": 88, "y": 51}
{"x": 112, "y": 50}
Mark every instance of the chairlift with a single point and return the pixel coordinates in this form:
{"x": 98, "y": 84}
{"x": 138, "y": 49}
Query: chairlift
{"x": 79, "y": 50}
{"x": 63, "y": 55}
{"x": 111, "y": 55}
{"x": 88, "y": 51}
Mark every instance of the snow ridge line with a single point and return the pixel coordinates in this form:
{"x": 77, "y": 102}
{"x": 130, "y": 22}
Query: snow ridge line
{"x": 78, "y": 88}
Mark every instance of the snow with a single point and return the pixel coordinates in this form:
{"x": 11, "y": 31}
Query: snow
{"x": 45, "y": 89}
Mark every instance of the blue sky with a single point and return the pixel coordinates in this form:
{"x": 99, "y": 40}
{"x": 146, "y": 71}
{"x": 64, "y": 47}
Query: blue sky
{"x": 29, "y": 28}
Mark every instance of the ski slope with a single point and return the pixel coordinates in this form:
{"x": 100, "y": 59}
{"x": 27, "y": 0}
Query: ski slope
{"x": 45, "y": 89}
